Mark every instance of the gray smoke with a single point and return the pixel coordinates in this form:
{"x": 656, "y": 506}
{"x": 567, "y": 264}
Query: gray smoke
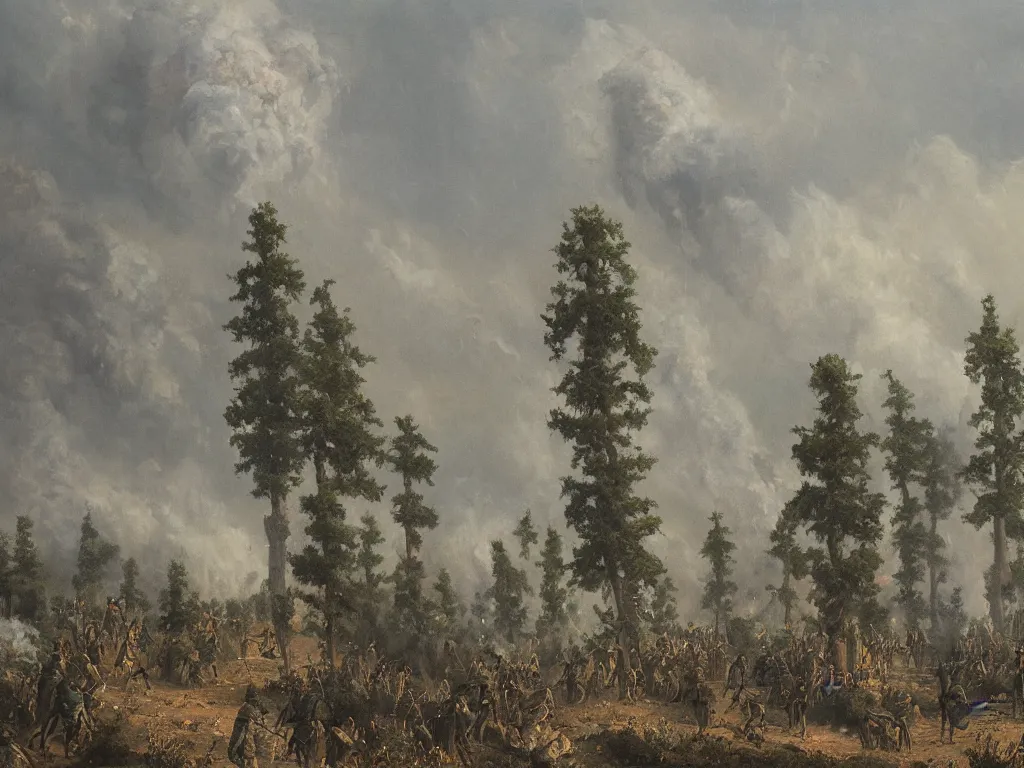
{"x": 19, "y": 642}
{"x": 795, "y": 180}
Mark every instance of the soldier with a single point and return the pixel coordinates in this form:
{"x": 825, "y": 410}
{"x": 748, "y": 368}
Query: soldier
{"x": 93, "y": 644}
{"x": 242, "y": 746}
{"x": 128, "y": 656}
{"x": 268, "y": 646}
{"x": 736, "y": 677}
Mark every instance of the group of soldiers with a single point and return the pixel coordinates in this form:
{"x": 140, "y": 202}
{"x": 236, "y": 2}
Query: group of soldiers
{"x": 506, "y": 702}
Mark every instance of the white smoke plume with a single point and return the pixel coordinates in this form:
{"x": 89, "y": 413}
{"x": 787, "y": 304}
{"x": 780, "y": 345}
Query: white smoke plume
{"x": 796, "y": 179}
{"x": 19, "y": 642}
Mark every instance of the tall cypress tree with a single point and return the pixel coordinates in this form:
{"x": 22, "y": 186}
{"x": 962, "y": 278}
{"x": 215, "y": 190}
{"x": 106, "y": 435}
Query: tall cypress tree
{"x": 135, "y": 602}
{"x": 994, "y": 472}
{"x": 94, "y": 556}
{"x": 27, "y": 581}
{"x": 553, "y": 619}
{"x": 834, "y": 503}
{"x": 338, "y": 434}
{"x": 942, "y": 492}
{"x": 179, "y": 603}
{"x": 791, "y": 556}
{"x": 447, "y": 605}
{"x": 605, "y": 402}
{"x": 664, "y": 612}
{"x": 508, "y": 590}
{"x": 906, "y": 449}
{"x": 264, "y": 414}
{"x": 371, "y": 593}
{"x": 410, "y": 459}
{"x": 719, "y": 587}
{"x": 6, "y": 578}
{"x": 526, "y": 535}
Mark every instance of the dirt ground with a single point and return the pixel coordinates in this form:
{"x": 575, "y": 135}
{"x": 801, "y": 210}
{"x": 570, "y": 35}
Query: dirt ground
{"x": 205, "y": 716}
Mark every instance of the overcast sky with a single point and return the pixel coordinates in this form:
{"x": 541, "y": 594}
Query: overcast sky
{"x": 797, "y": 178}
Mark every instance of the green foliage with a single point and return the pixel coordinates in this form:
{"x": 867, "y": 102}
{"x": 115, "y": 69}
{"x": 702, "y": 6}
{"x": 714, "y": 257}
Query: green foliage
{"x": 718, "y": 588}
{"x": 240, "y": 616}
{"x": 337, "y": 434}
{"x": 942, "y": 492}
{"x": 553, "y": 619}
{"x": 135, "y": 601}
{"x": 994, "y": 472}
{"x": 95, "y": 555}
{"x": 907, "y": 458}
{"x": 604, "y": 403}
{"x": 412, "y": 609}
{"x": 664, "y": 611}
{"x": 834, "y": 504}
{"x": 508, "y": 590}
{"x": 448, "y": 609}
{"x": 27, "y": 581}
{"x": 264, "y": 411}
{"x": 409, "y": 458}
{"x": 179, "y": 603}
{"x": 6, "y": 575}
{"x": 371, "y": 592}
{"x": 481, "y": 611}
{"x": 742, "y": 634}
{"x": 526, "y": 535}
{"x": 792, "y": 558}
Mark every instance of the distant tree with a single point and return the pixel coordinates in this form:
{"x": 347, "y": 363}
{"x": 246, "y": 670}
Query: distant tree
{"x": 179, "y": 603}
{"x": 664, "y": 612}
{"x": 409, "y": 458}
{"x": 594, "y": 308}
{"x": 371, "y": 592}
{"x": 942, "y": 492}
{"x": 264, "y": 414}
{"x": 27, "y": 583}
{"x": 337, "y": 435}
{"x": 447, "y": 605}
{"x": 791, "y": 556}
{"x": 135, "y": 602}
{"x": 95, "y": 554}
{"x": 412, "y": 607}
{"x": 508, "y": 591}
{"x": 553, "y": 619}
{"x": 240, "y": 616}
{"x": 6, "y": 577}
{"x": 526, "y": 535}
{"x": 955, "y": 612}
{"x": 834, "y": 503}
{"x": 906, "y": 460}
{"x": 718, "y": 588}
{"x": 481, "y": 622}
{"x": 994, "y": 472}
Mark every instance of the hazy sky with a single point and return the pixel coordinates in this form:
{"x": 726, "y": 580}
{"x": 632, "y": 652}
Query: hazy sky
{"x": 797, "y": 178}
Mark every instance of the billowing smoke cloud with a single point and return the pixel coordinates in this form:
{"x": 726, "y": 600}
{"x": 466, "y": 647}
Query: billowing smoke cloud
{"x": 19, "y": 642}
{"x": 795, "y": 181}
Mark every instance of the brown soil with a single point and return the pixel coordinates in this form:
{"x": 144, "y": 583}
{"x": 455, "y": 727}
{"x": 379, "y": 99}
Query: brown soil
{"x": 204, "y": 715}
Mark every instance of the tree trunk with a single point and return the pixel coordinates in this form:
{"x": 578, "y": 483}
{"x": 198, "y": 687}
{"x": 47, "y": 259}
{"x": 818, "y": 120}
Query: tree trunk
{"x": 1000, "y": 574}
{"x": 620, "y": 609}
{"x": 276, "y": 527}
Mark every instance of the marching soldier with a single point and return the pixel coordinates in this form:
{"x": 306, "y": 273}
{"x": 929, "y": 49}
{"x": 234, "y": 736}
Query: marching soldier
{"x": 242, "y": 746}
